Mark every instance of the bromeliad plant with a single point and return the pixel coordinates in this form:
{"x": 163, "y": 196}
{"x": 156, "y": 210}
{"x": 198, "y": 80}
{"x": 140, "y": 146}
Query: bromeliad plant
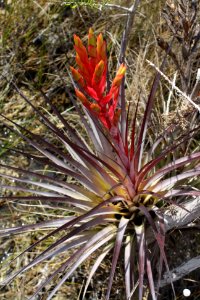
{"x": 124, "y": 182}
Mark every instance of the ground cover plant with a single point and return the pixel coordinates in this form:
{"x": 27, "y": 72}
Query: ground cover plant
{"x": 117, "y": 183}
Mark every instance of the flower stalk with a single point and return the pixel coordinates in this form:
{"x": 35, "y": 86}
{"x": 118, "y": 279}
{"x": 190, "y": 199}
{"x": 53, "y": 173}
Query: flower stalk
{"x": 91, "y": 79}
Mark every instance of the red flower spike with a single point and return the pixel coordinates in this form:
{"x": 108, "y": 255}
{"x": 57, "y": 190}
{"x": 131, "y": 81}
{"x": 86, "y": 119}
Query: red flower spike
{"x": 98, "y": 72}
{"x": 91, "y": 76}
{"x": 104, "y": 121}
{"x": 82, "y": 98}
{"x": 92, "y": 51}
{"x": 95, "y": 108}
{"x": 79, "y": 62}
{"x": 120, "y": 74}
{"x": 112, "y": 95}
{"x": 92, "y": 93}
{"x": 83, "y": 70}
{"x": 80, "y": 49}
{"x": 116, "y": 116}
{"x": 77, "y": 77}
{"x": 101, "y": 48}
{"x": 121, "y": 70}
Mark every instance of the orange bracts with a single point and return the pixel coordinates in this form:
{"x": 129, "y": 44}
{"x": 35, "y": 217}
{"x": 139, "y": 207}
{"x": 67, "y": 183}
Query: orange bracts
{"x": 91, "y": 78}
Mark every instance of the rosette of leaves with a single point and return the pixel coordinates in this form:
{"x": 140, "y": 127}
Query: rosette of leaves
{"x": 125, "y": 181}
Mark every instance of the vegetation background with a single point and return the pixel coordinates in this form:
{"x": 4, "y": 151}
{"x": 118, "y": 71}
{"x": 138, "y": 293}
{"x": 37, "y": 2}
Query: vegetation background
{"x": 36, "y": 41}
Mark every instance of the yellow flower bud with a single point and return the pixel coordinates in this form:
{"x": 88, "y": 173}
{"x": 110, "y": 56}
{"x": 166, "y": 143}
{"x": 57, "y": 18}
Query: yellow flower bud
{"x": 95, "y": 108}
{"x": 98, "y": 71}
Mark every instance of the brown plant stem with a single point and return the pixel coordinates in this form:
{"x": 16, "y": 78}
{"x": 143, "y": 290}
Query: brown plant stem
{"x": 181, "y": 271}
